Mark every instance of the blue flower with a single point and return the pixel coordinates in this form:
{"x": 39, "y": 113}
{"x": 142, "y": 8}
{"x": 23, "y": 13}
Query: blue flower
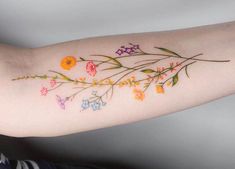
{"x": 95, "y": 105}
{"x": 85, "y": 104}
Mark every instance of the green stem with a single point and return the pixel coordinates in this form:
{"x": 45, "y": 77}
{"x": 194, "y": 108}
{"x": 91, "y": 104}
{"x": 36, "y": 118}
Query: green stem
{"x": 178, "y": 72}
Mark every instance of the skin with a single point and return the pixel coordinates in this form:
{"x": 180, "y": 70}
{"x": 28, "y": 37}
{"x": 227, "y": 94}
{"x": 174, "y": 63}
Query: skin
{"x": 24, "y": 112}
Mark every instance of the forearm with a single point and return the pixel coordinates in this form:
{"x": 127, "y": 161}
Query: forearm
{"x": 123, "y": 87}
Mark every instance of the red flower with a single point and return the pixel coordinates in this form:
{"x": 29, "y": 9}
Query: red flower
{"x": 91, "y": 68}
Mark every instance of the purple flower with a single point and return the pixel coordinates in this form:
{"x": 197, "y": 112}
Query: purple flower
{"x": 61, "y": 102}
{"x": 119, "y": 52}
{"x": 129, "y": 50}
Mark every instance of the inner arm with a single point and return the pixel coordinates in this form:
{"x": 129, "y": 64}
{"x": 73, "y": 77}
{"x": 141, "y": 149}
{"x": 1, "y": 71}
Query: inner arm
{"x": 100, "y": 82}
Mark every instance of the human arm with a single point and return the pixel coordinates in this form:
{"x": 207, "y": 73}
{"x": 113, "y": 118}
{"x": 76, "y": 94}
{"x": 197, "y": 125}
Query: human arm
{"x": 58, "y": 89}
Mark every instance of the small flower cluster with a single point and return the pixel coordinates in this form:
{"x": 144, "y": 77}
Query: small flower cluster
{"x": 102, "y": 82}
{"x": 61, "y": 101}
{"x": 131, "y": 49}
{"x": 161, "y": 71}
{"x": 95, "y": 104}
{"x": 131, "y": 82}
{"x": 173, "y": 66}
{"x": 44, "y": 90}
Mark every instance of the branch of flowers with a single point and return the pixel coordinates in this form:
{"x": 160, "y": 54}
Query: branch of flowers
{"x": 135, "y": 68}
{"x": 68, "y": 79}
{"x": 115, "y": 83}
{"x": 163, "y": 83}
{"x": 141, "y": 53}
{"x": 138, "y": 68}
{"x": 165, "y": 71}
{"x": 111, "y": 85}
{"x": 156, "y": 60}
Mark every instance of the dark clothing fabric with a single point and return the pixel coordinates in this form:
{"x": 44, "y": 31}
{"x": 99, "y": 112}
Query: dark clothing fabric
{"x": 5, "y": 163}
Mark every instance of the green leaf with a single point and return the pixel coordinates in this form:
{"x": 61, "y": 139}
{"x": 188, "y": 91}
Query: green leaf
{"x": 175, "y": 79}
{"x": 82, "y": 59}
{"x": 167, "y": 51}
{"x": 148, "y": 71}
{"x": 55, "y": 77}
{"x": 113, "y": 59}
{"x": 110, "y": 68}
{"x": 62, "y": 75}
{"x": 186, "y": 71}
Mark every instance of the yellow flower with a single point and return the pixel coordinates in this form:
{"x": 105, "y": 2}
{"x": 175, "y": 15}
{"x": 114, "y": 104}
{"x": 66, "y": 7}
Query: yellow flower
{"x": 120, "y": 84}
{"x": 159, "y": 89}
{"x": 94, "y": 82}
{"x": 137, "y": 83}
{"x": 68, "y": 62}
{"x": 111, "y": 82}
{"x": 139, "y": 94}
{"x": 169, "y": 83}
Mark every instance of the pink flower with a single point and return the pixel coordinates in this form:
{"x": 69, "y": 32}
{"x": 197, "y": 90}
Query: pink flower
{"x": 53, "y": 83}
{"x": 44, "y": 91}
{"x": 91, "y": 68}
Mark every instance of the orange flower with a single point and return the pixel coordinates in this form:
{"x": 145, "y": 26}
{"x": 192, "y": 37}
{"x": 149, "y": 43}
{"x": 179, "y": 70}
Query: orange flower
{"x": 139, "y": 94}
{"x": 159, "y": 89}
{"x": 68, "y": 62}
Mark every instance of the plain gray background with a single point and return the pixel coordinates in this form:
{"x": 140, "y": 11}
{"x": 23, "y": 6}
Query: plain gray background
{"x": 200, "y": 138}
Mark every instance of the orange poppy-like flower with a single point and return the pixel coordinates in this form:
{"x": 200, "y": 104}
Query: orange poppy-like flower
{"x": 139, "y": 94}
{"x": 160, "y": 89}
{"x": 68, "y": 62}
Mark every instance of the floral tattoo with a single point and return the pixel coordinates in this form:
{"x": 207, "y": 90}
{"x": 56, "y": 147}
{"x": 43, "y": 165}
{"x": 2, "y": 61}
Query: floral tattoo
{"x": 160, "y": 69}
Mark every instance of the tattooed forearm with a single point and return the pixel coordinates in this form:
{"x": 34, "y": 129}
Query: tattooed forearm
{"x": 144, "y": 71}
